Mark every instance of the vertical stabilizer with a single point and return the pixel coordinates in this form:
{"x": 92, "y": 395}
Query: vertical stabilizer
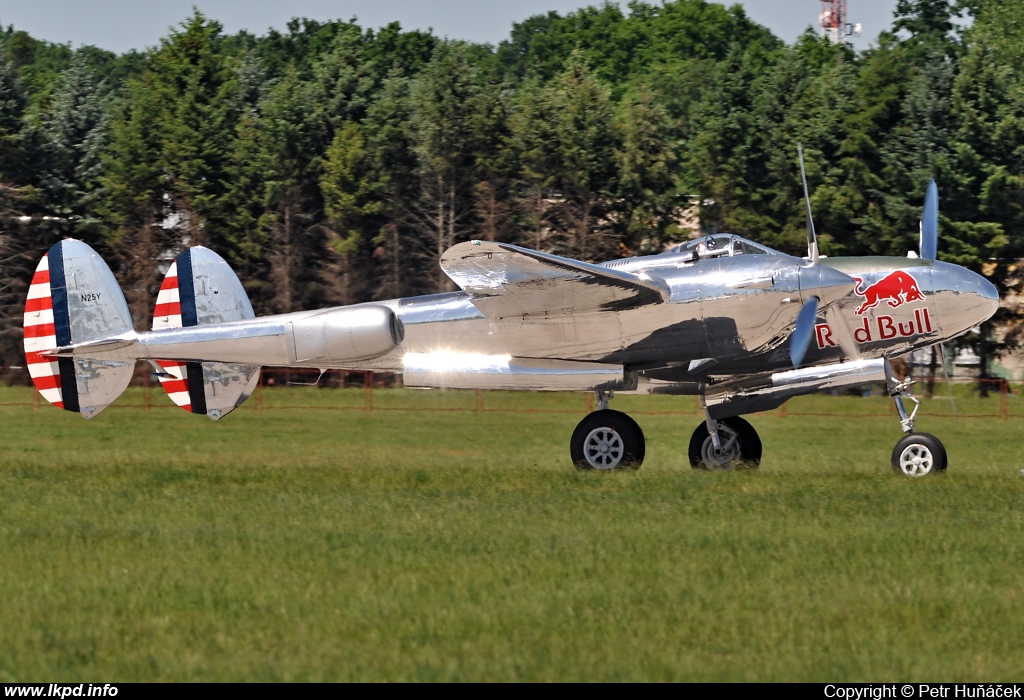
{"x": 200, "y": 289}
{"x": 74, "y": 298}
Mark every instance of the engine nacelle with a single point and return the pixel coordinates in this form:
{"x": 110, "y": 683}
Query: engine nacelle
{"x": 346, "y": 335}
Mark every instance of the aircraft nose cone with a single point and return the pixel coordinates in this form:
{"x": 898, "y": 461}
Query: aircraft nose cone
{"x": 963, "y": 298}
{"x": 988, "y": 297}
{"x": 826, "y": 283}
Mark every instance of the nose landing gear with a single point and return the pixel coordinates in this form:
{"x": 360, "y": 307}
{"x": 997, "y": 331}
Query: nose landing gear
{"x": 919, "y": 454}
{"x": 916, "y": 454}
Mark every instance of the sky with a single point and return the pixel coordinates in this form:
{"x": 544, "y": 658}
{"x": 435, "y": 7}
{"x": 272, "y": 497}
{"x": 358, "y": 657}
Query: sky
{"x": 121, "y": 25}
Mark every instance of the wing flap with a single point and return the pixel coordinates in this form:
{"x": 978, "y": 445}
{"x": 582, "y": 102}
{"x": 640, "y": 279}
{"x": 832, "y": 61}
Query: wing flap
{"x": 505, "y": 280}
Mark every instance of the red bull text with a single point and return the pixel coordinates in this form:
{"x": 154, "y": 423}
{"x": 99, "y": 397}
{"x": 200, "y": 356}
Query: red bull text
{"x": 883, "y": 328}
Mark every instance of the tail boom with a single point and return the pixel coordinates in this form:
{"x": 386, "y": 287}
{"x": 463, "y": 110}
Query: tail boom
{"x": 326, "y": 339}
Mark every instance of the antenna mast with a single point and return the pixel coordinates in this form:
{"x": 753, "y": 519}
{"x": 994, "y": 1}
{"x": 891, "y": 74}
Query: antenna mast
{"x": 833, "y": 22}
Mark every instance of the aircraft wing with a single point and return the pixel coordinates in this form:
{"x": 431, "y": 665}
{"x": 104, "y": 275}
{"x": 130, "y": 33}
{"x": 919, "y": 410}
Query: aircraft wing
{"x": 505, "y": 280}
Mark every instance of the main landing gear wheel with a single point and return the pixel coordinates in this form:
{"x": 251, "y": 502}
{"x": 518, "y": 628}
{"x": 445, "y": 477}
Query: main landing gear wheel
{"x": 919, "y": 454}
{"x": 607, "y": 440}
{"x": 740, "y": 446}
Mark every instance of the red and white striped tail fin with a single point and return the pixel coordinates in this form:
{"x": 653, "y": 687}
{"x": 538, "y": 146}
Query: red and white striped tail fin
{"x": 40, "y": 336}
{"x": 167, "y": 314}
{"x": 74, "y": 299}
{"x": 200, "y": 289}
{"x": 168, "y": 303}
{"x": 175, "y": 383}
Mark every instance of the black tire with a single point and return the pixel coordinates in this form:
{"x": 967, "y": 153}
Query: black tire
{"x": 919, "y": 454}
{"x": 607, "y": 440}
{"x": 746, "y": 454}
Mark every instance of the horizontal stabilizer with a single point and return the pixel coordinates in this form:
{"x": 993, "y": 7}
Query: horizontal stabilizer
{"x": 200, "y": 288}
{"x": 504, "y": 280}
{"x": 73, "y": 299}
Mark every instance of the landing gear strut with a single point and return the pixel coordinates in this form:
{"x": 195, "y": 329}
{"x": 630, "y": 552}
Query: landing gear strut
{"x": 721, "y": 445}
{"x": 916, "y": 454}
{"x": 737, "y": 447}
{"x": 607, "y": 440}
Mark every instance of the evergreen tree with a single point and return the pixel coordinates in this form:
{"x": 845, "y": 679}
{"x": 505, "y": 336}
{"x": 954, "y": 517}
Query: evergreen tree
{"x": 391, "y": 148}
{"x": 929, "y": 24}
{"x": 443, "y": 100}
{"x": 13, "y": 164}
{"x": 648, "y": 203}
{"x": 585, "y": 168}
{"x": 494, "y": 161}
{"x": 532, "y": 126}
{"x": 75, "y": 131}
{"x": 290, "y": 150}
{"x": 352, "y": 207}
{"x": 343, "y": 79}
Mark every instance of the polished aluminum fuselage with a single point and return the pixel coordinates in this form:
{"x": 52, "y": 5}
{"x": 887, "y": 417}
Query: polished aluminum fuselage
{"x": 736, "y": 311}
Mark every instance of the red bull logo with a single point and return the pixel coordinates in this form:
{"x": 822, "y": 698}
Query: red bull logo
{"x": 897, "y": 288}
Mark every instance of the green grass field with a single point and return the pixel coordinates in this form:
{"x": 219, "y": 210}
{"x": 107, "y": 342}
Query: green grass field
{"x": 315, "y": 544}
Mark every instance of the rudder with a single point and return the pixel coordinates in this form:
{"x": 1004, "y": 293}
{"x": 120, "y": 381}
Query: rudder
{"x": 199, "y": 289}
{"x": 74, "y": 298}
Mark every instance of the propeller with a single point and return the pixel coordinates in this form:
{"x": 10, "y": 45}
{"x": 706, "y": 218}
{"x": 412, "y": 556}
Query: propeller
{"x": 930, "y": 223}
{"x": 812, "y": 237}
{"x": 801, "y": 337}
{"x": 929, "y": 247}
{"x": 841, "y": 332}
{"x": 800, "y": 340}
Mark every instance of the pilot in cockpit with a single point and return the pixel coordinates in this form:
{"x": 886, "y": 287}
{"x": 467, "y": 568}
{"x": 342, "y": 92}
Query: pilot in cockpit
{"x": 719, "y": 245}
{"x": 705, "y": 248}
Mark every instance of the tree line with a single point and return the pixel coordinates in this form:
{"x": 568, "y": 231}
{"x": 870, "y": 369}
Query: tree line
{"x": 332, "y": 164}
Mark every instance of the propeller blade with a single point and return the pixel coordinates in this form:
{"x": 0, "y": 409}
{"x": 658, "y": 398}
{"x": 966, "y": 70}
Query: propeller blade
{"x": 930, "y": 223}
{"x": 812, "y": 237}
{"x": 949, "y": 383}
{"x": 841, "y": 332}
{"x": 801, "y": 338}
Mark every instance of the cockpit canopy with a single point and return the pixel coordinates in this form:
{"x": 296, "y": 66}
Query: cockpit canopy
{"x": 721, "y": 245}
